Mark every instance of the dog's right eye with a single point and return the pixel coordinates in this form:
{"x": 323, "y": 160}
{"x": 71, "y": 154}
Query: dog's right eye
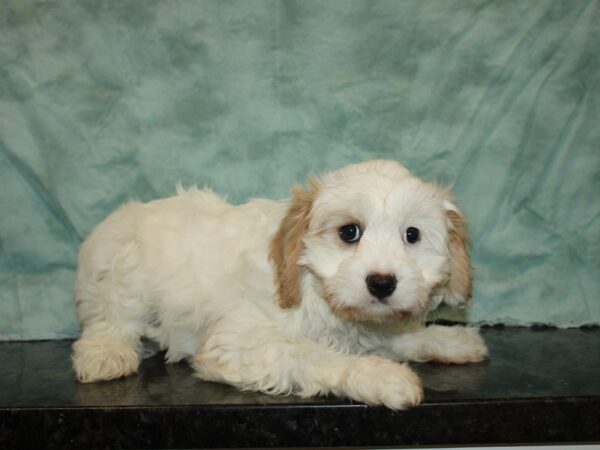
{"x": 350, "y": 233}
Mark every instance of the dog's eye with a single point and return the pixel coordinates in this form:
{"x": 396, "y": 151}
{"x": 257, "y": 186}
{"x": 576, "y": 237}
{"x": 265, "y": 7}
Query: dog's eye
{"x": 350, "y": 233}
{"x": 412, "y": 235}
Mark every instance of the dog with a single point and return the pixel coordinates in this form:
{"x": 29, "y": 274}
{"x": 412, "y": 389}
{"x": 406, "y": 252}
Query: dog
{"x": 322, "y": 294}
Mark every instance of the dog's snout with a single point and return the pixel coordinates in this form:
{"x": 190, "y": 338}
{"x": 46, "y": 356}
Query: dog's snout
{"x": 381, "y": 285}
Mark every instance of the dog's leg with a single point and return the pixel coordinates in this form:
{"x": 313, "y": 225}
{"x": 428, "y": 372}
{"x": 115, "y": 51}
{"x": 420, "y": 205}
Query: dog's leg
{"x": 449, "y": 345}
{"x": 111, "y": 310}
{"x": 268, "y": 362}
{"x": 109, "y": 346}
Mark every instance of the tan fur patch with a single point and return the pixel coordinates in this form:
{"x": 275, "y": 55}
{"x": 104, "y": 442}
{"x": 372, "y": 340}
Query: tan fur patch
{"x": 461, "y": 277}
{"x": 287, "y": 245}
{"x": 351, "y": 313}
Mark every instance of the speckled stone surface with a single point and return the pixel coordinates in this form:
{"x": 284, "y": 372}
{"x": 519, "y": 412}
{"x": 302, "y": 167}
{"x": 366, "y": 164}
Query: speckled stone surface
{"x": 539, "y": 386}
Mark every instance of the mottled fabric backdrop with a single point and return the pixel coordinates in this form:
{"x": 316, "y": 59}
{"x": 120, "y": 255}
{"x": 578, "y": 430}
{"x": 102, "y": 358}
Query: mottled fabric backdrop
{"x": 102, "y": 101}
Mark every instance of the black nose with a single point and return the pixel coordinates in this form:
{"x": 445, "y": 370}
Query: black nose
{"x": 381, "y": 286}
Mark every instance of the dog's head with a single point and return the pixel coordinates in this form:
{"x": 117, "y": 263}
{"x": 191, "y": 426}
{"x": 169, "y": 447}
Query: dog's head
{"x": 381, "y": 244}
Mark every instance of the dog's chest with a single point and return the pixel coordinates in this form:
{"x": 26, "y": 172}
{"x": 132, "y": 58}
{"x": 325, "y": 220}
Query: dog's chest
{"x": 315, "y": 321}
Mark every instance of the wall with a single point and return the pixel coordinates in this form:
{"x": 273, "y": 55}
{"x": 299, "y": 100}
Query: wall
{"x": 105, "y": 101}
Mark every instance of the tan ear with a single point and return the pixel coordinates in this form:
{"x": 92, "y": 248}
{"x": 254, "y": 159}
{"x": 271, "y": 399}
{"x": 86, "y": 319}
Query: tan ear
{"x": 459, "y": 289}
{"x": 287, "y": 246}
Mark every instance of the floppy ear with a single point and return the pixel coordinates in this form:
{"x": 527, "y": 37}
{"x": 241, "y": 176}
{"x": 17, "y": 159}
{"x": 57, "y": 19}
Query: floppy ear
{"x": 459, "y": 288}
{"x": 287, "y": 246}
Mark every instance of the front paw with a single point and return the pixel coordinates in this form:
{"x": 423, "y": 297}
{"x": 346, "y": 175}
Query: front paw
{"x": 378, "y": 381}
{"x": 459, "y": 345}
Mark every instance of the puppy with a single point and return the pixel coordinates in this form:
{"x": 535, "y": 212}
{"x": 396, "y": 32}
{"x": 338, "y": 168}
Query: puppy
{"x": 325, "y": 293}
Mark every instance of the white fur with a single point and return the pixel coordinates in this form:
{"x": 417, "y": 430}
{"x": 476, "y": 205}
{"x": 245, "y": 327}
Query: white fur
{"x": 192, "y": 272}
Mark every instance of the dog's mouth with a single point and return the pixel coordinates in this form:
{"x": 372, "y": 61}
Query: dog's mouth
{"x": 371, "y": 309}
{"x": 370, "y": 312}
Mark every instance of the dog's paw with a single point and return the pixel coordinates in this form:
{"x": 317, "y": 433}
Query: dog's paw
{"x": 458, "y": 345}
{"x": 378, "y": 381}
{"x": 103, "y": 358}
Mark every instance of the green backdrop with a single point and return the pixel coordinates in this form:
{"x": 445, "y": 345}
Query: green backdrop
{"x": 101, "y": 101}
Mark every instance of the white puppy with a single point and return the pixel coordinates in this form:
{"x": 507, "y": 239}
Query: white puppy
{"x": 324, "y": 293}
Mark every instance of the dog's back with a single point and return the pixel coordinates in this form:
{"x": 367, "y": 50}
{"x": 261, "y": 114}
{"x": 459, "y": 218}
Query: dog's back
{"x": 169, "y": 261}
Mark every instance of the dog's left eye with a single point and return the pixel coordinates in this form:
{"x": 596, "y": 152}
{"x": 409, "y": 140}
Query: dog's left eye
{"x": 350, "y": 233}
{"x": 412, "y": 235}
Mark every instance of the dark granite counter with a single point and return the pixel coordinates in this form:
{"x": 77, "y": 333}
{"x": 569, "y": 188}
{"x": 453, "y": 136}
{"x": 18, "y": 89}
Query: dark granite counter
{"x": 539, "y": 386}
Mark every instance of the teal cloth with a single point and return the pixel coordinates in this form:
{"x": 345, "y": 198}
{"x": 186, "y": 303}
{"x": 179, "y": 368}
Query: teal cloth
{"x": 102, "y": 101}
